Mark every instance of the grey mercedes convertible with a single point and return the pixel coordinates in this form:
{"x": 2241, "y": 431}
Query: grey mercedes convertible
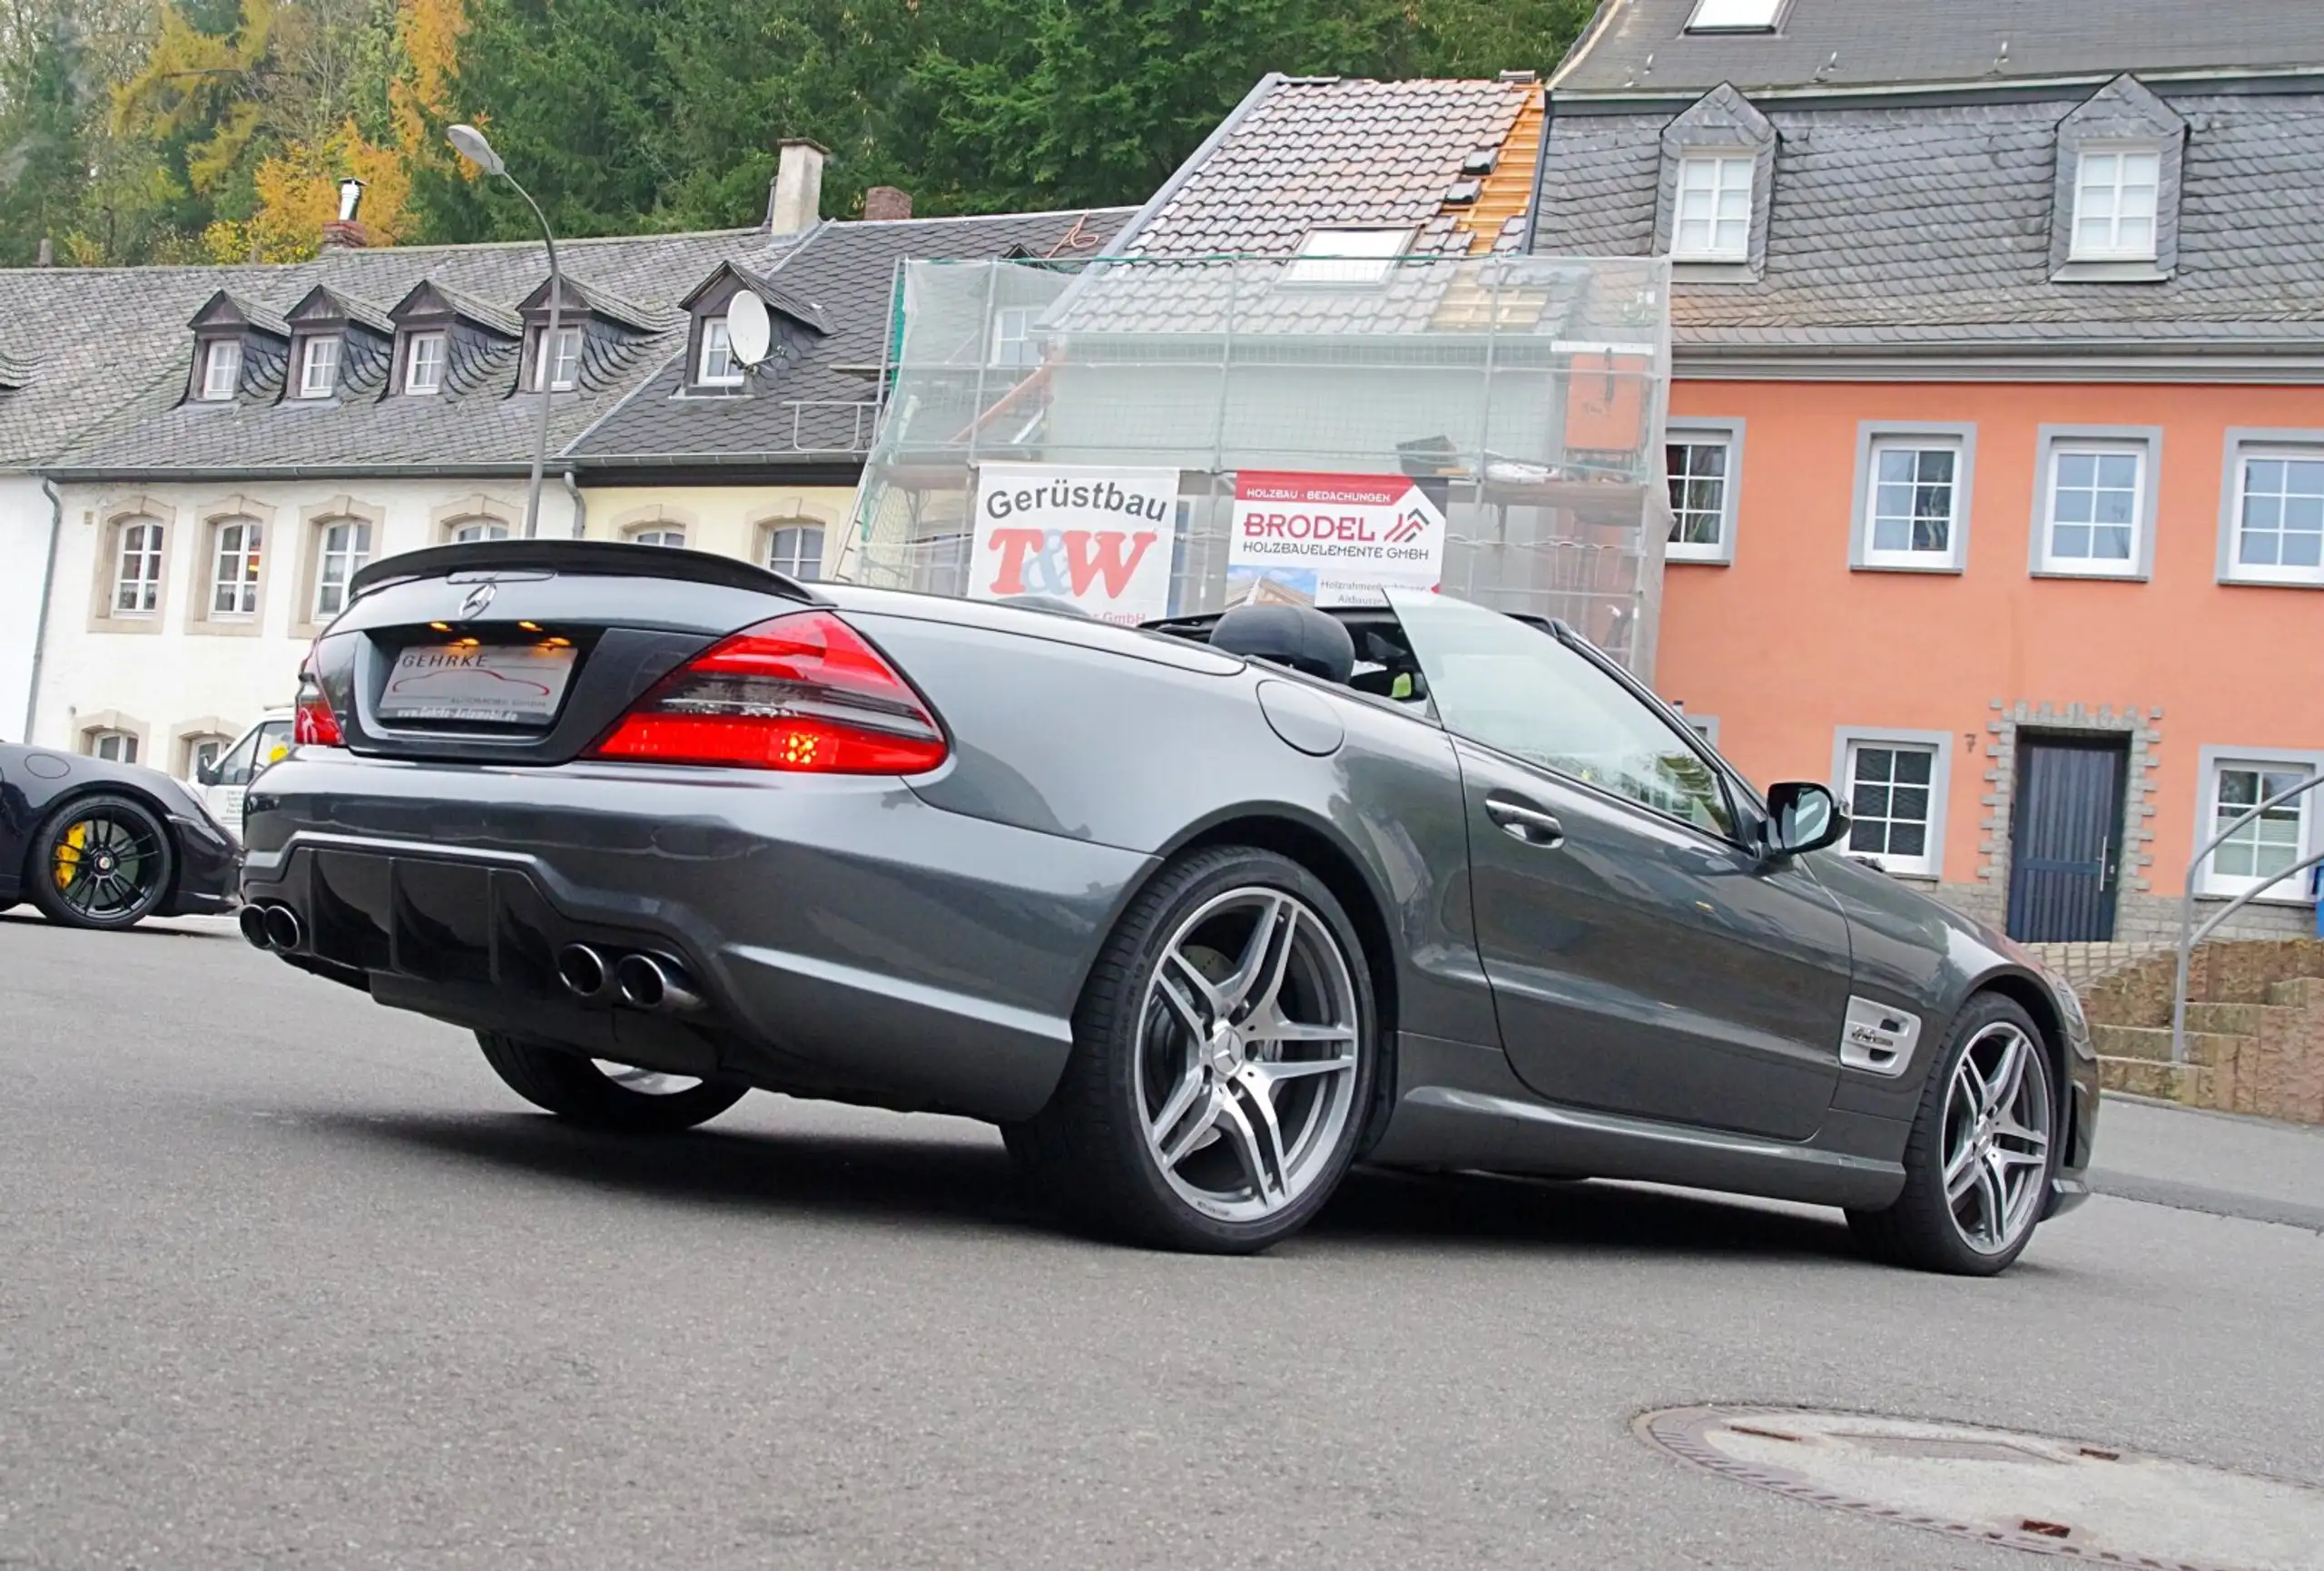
{"x": 1199, "y": 915}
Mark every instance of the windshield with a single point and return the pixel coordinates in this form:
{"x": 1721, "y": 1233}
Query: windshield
{"x": 1513, "y": 687}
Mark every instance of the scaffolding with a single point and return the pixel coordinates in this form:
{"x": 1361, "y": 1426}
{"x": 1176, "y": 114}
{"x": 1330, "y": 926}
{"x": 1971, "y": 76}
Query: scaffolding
{"x": 1515, "y": 405}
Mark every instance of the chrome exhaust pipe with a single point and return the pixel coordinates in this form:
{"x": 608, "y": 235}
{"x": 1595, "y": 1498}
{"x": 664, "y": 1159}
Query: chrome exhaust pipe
{"x": 583, "y": 971}
{"x": 283, "y": 929}
{"x": 251, "y": 921}
{"x": 655, "y": 982}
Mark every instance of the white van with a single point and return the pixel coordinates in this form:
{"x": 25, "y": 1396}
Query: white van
{"x": 221, "y": 785}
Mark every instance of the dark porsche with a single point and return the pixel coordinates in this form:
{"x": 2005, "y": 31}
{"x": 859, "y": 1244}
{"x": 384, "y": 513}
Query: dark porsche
{"x": 1199, "y": 915}
{"x": 98, "y": 844}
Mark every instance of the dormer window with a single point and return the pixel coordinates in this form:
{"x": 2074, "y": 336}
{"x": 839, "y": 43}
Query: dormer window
{"x": 423, "y": 364}
{"x": 319, "y": 366}
{"x": 2114, "y": 204}
{"x": 719, "y": 367}
{"x": 1714, "y": 215}
{"x": 558, "y": 363}
{"x": 221, "y": 369}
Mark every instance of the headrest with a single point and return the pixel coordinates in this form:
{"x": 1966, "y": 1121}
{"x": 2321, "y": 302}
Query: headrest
{"x": 1299, "y": 636}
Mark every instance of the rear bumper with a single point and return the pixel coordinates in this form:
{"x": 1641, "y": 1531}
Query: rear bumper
{"x": 206, "y": 868}
{"x": 847, "y": 938}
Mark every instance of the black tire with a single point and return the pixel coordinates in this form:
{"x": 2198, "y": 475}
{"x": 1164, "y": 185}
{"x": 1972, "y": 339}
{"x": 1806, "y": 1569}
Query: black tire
{"x": 139, "y": 860}
{"x": 574, "y": 1088}
{"x": 1086, "y": 1153}
{"x": 1920, "y": 1228}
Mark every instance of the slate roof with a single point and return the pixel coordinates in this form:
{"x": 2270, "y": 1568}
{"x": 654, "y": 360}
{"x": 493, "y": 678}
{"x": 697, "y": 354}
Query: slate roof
{"x": 1642, "y": 46}
{"x": 1305, "y": 152}
{"x": 1930, "y": 225}
{"x": 111, "y": 399}
{"x": 102, "y": 357}
{"x": 842, "y": 276}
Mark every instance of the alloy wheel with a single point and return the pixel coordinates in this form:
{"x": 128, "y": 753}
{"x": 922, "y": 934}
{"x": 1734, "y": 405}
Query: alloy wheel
{"x": 1997, "y": 1146}
{"x": 108, "y": 865}
{"x": 1247, "y": 1052}
{"x": 645, "y": 1082}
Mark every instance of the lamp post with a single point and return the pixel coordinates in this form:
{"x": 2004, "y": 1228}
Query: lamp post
{"x": 470, "y": 144}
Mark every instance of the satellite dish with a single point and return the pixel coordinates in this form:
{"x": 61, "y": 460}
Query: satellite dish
{"x": 748, "y": 331}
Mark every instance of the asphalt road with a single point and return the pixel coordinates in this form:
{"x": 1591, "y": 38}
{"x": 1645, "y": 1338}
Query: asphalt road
{"x": 288, "y": 1279}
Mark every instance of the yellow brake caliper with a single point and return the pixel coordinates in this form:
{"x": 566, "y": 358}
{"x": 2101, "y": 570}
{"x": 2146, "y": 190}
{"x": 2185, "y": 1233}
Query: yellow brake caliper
{"x": 68, "y": 867}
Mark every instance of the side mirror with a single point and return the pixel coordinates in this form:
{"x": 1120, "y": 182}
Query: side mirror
{"x": 1803, "y": 816}
{"x": 206, "y": 775}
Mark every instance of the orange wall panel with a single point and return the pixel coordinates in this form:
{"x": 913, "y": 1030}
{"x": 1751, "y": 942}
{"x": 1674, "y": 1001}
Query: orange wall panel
{"x": 1788, "y": 643}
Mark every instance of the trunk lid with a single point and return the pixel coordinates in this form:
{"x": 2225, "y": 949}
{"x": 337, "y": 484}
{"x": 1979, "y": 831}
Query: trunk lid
{"x": 525, "y": 651}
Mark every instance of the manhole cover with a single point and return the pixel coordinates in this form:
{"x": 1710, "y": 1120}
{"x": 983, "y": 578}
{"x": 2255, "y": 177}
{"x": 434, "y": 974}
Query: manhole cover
{"x": 2031, "y": 1492}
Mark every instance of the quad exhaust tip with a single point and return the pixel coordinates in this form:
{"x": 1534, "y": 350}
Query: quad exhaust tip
{"x": 583, "y": 971}
{"x": 283, "y": 929}
{"x": 655, "y": 982}
{"x": 251, "y": 920}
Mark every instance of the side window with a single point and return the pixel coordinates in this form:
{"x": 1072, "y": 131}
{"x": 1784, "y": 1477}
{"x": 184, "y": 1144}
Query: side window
{"x": 1513, "y": 687}
{"x": 234, "y": 768}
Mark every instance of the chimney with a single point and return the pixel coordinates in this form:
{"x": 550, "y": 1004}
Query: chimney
{"x": 48, "y": 251}
{"x": 796, "y": 201}
{"x": 885, "y": 202}
{"x": 344, "y": 233}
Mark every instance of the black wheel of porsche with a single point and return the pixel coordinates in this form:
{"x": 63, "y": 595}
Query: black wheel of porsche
{"x": 100, "y": 861}
{"x": 598, "y": 1094}
{"x": 1224, "y": 1051}
{"x": 1981, "y": 1151}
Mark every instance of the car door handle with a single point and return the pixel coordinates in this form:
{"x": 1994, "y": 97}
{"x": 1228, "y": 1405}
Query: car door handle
{"x": 1521, "y": 821}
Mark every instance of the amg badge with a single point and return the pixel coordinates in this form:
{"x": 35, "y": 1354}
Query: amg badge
{"x": 1878, "y": 1038}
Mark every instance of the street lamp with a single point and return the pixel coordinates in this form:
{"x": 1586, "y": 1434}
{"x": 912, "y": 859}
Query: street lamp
{"x": 470, "y": 144}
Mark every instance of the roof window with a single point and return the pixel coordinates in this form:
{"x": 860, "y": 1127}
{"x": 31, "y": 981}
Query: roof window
{"x": 1735, "y": 15}
{"x": 1348, "y": 256}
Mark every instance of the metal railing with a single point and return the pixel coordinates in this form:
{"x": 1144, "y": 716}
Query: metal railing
{"x": 2191, "y": 935}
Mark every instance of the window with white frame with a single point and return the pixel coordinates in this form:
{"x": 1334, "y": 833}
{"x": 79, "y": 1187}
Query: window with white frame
{"x": 1712, "y": 221}
{"x": 319, "y": 366}
{"x": 137, "y": 569}
{"x": 2259, "y": 854}
{"x": 423, "y": 363}
{"x": 341, "y": 549}
{"x": 2096, "y": 507}
{"x": 1892, "y": 804}
{"x": 1912, "y": 512}
{"x": 559, "y": 364}
{"x": 221, "y": 368}
{"x": 469, "y": 531}
{"x": 2278, "y": 517}
{"x": 665, "y": 535}
{"x": 1013, "y": 340}
{"x": 115, "y": 746}
{"x": 719, "y": 368}
{"x": 2114, "y": 204}
{"x": 1348, "y": 256}
{"x": 1701, "y": 465}
{"x": 234, "y": 582}
{"x": 796, "y": 551}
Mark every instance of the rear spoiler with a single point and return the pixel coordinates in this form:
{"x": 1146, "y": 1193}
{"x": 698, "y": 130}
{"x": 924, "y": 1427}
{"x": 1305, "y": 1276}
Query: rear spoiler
{"x": 478, "y": 560}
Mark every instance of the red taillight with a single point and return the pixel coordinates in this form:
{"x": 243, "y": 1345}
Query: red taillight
{"x": 801, "y": 692}
{"x": 312, "y": 722}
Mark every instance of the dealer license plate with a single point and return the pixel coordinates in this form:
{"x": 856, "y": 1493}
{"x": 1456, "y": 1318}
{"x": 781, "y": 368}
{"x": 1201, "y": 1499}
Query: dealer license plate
{"x": 494, "y": 685}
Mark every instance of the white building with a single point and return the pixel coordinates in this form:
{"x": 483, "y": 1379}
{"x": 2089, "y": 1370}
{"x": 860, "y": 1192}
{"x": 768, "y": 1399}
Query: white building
{"x": 230, "y": 445}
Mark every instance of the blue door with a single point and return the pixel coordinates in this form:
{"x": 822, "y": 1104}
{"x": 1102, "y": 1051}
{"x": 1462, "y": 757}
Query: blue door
{"x": 2065, "y": 840}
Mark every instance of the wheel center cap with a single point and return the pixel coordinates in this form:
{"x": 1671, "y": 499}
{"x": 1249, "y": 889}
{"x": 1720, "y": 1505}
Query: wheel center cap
{"x": 104, "y": 862}
{"x": 1225, "y": 1048}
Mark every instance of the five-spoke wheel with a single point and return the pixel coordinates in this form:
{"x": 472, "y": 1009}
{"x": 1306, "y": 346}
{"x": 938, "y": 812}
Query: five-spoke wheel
{"x": 100, "y": 861}
{"x": 1981, "y": 1151}
{"x": 601, "y": 1095}
{"x": 1222, "y": 1061}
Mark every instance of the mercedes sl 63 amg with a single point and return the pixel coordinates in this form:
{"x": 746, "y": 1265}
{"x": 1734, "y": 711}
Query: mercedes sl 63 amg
{"x": 1199, "y": 915}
